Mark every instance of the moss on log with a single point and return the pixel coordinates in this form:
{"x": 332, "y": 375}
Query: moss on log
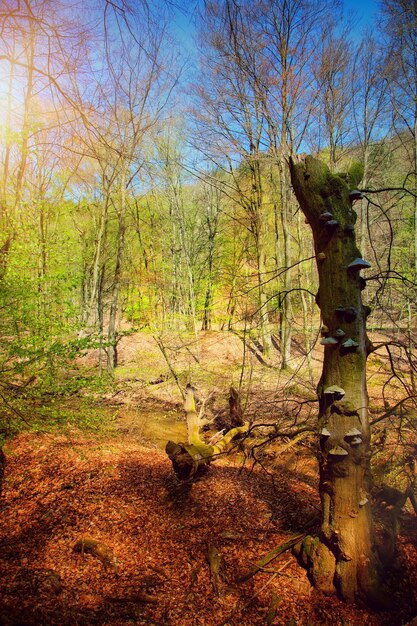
{"x": 87, "y": 545}
{"x": 190, "y": 459}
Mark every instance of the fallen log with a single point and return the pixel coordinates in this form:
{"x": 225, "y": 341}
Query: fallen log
{"x": 271, "y": 555}
{"x": 192, "y": 458}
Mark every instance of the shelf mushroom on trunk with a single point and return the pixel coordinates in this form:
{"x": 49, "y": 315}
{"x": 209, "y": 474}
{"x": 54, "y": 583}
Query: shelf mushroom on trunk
{"x": 342, "y": 558}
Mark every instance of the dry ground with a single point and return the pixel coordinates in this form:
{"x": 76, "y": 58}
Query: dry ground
{"x": 117, "y": 487}
{"x": 62, "y": 489}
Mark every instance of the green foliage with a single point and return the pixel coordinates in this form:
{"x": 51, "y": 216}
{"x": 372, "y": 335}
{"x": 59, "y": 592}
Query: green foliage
{"x": 50, "y": 414}
{"x": 355, "y": 173}
{"x": 55, "y": 400}
{"x": 214, "y": 249}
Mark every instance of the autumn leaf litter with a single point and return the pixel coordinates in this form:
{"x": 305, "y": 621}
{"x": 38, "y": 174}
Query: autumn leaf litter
{"x": 60, "y": 489}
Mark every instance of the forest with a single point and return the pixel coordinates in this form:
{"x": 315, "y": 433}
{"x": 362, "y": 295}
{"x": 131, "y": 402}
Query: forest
{"x": 208, "y": 313}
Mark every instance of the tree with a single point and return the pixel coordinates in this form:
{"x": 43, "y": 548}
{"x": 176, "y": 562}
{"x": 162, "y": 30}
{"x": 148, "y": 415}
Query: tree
{"x": 39, "y": 69}
{"x": 333, "y": 94}
{"x": 233, "y": 118}
{"x": 131, "y": 90}
{"x": 211, "y": 198}
{"x": 342, "y": 557}
{"x": 35, "y": 212}
{"x": 259, "y": 99}
{"x": 290, "y": 32}
{"x": 399, "y": 19}
{"x": 22, "y": 44}
{"x": 183, "y": 233}
{"x": 369, "y": 106}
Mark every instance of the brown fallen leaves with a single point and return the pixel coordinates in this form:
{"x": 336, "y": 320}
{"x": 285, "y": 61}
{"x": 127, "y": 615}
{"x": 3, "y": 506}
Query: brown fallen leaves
{"x": 96, "y": 532}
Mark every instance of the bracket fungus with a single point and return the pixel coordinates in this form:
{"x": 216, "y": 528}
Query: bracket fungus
{"x": 363, "y": 501}
{"x": 355, "y": 194}
{"x": 353, "y": 432}
{"x": 358, "y": 264}
{"x": 329, "y": 341}
{"x": 325, "y": 216}
{"x": 338, "y": 451}
{"x": 350, "y": 344}
{"x": 356, "y": 441}
{"x": 332, "y": 223}
{"x": 339, "y": 333}
{"x": 321, "y": 256}
{"x": 325, "y": 432}
{"x": 324, "y": 330}
{"x": 334, "y": 390}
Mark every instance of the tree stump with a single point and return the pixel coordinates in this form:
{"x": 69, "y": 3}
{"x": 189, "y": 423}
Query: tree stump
{"x": 190, "y": 459}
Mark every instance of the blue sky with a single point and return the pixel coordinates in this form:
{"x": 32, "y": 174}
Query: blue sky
{"x": 366, "y": 9}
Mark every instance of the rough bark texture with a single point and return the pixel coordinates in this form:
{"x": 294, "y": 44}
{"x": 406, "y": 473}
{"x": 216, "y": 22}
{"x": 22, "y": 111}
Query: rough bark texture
{"x": 235, "y": 408}
{"x": 341, "y": 558}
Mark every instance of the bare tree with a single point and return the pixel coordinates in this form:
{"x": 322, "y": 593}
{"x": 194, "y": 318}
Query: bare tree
{"x": 233, "y": 121}
{"x": 290, "y": 32}
{"x": 129, "y": 92}
{"x": 211, "y": 199}
{"x": 369, "y": 106}
{"x": 333, "y": 74}
{"x": 399, "y": 23}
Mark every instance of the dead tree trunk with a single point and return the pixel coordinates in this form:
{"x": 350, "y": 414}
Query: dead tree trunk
{"x": 189, "y": 459}
{"x": 235, "y": 408}
{"x": 342, "y": 558}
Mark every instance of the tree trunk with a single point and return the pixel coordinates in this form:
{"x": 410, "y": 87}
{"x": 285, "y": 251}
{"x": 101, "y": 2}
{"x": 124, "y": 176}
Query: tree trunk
{"x": 286, "y": 315}
{"x": 93, "y": 281}
{"x": 307, "y": 303}
{"x": 117, "y": 277}
{"x": 212, "y": 224}
{"x": 208, "y": 300}
{"x": 259, "y": 230}
{"x": 341, "y": 558}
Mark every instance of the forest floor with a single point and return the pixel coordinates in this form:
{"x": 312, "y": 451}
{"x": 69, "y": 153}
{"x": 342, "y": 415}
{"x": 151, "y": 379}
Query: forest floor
{"x": 114, "y": 485}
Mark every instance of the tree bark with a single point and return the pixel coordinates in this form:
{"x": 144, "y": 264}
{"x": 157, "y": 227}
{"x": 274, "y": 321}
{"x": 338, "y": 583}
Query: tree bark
{"x": 341, "y": 558}
{"x": 286, "y": 315}
{"x": 10, "y": 215}
{"x": 117, "y": 276}
{"x": 92, "y": 274}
